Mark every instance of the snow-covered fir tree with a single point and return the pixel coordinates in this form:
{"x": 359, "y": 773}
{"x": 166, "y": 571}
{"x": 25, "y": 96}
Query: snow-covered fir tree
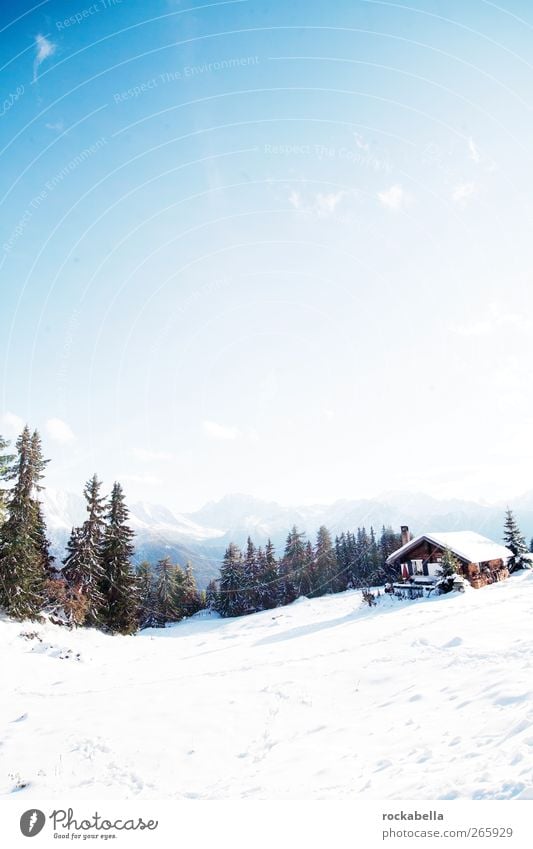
{"x": 119, "y": 585}
{"x": 269, "y": 587}
{"x": 147, "y": 609}
{"x": 515, "y": 541}
{"x": 325, "y": 564}
{"x": 232, "y": 591}
{"x": 251, "y": 577}
{"x": 23, "y": 534}
{"x": 168, "y": 578}
{"x": 447, "y": 571}
{"x": 83, "y": 565}
{"x": 212, "y": 595}
{"x": 6, "y": 461}
{"x": 191, "y": 601}
{"x": 291, "y": 566}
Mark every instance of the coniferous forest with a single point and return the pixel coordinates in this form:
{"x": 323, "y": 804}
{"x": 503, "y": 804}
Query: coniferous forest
{"x": 97, "y": 584}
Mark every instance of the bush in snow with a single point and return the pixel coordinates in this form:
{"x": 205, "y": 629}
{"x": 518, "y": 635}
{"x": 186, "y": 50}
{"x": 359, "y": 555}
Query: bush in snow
{"x": 447, "y": 574}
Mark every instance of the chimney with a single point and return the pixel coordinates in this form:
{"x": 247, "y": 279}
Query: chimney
{"x": 406, "y": 537}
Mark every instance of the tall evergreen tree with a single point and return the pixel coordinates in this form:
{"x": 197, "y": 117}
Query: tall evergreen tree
{"x": 308, "y": 575}
{"x": 251, "y": 578}
{"x": 291, "y": 566}
{"x": 515, "y": 541}
{"x": 22, "y": 571}
{"x": 326, "y": 563}
{"x": 119, "y": 585}
{"x": 167, "y": 589}
{"x": 40, "y": 535}
{"x": 190, "y": 599}
{"x": 146, "y": 594}
{"x": 269, "y": 577}
{"x": 232, "y": 593}
{"x": 6, "y": 461}
{"x": 212, "y": 596}
{"x": 83, "y": 566}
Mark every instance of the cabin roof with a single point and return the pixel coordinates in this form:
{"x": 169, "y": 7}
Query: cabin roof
{"x": 467, "y": 545}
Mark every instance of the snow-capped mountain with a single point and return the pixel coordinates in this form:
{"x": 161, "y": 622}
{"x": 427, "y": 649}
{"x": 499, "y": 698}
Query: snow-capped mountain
{"x": 203, "y": 535}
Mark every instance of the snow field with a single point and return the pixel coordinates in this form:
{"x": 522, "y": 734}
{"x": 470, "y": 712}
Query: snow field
{"x": 323, "y": 699}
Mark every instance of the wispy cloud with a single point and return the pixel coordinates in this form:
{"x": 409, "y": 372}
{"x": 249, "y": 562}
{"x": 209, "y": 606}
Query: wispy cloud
{"x": 463, "y": 192}
{"x": 395, "y": 197}
{"x": 59, "y": 431}
{"x": 213, "y": 430}
{"x": 360, "y": 142}
{"x": 58, "y": 127}
{"x": 479, "y": 158}
{"x": 44, "y": 49}
{"x": 321, "y": 204}
{"x": 12, "y": 424}
{"x": 495, "y": 319}
{"x": 475, "y": 155}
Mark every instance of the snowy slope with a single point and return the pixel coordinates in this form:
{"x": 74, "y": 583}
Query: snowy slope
{"x": 323, "y": 699}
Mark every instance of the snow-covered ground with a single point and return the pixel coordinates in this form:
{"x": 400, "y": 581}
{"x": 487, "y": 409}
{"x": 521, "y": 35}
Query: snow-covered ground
{"x": 323, "y": 699}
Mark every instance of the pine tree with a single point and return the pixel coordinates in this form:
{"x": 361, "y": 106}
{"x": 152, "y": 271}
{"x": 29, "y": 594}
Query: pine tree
{"x": 43, "y": 545}
{"x": 251, "y": 578}
{"x": 191, "y": 601}
{"x": 6, "y": 461}
{"x": 292, "y": 563}
{"x": 308, "y": 574}
{"x": 212, "y": 595}
{"x": 232, "y": 594}
{"x": 269, "y": 577}
{"x": 326, "y": 563}
{"x": 145, "y": 595}
{"x": 389, "y": 542}
{"x": 342, "y": 563}
{"x": 447, "y": 572}
{"x": 515, "y": 541}
{"x": 119, "y": 585}
{"x": 83, "y": 566}
{"x": 166, "y": 591}
{"x": 22, "y": 570}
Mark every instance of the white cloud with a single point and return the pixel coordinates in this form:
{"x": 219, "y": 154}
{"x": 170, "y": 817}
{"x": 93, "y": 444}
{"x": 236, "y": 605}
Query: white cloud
{"x": 12, "y": 424}
{"x": 295, "y": 199}
{"x": 394, "y": 197}
{"x": 361, "y": 144}
{"x": 320, "y": 204}
{"x": 59, "y": 431}
{"x": 463, "y": 192}
{"x": 475, "y": 155}
{"x": 45, "y": 48}
{"x": 221, "y": 432}
{"x": 326, "y": 204}
{"x": 494, "y": 319}
{"x": 57, "y": 127}
{"x": 149, "y": 456}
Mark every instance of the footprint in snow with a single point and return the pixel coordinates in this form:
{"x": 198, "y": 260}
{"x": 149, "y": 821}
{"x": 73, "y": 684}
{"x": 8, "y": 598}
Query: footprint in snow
{"x": 457, "y": 641}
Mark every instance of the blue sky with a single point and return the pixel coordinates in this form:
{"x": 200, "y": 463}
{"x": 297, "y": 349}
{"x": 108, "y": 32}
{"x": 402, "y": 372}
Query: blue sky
{"x": 283, "y": 249}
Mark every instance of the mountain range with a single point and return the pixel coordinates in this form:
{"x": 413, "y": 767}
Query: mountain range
{"x": 202, "y": 536}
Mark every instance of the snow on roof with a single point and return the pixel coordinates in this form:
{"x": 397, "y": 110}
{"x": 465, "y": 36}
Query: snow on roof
{"x": 467, "y": 545}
